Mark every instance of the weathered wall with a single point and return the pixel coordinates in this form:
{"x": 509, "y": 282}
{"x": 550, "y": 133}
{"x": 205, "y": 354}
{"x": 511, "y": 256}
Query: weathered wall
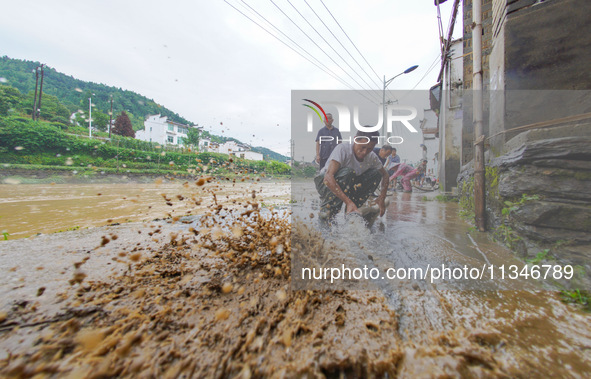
{"x": 538, "y": 47}
{"x": 556, "y": 169}
{"x": 548, "y": 46}
{"x": 539, "y": 71}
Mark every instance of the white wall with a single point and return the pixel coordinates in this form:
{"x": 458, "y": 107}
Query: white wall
{"x": 230, "y": 146}
{"x": 251, "y": 155}
{"x": 156, "y": 130}
{"x": 204, "y": 144}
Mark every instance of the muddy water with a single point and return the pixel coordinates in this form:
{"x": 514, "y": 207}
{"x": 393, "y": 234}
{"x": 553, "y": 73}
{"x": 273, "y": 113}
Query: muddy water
{"x": 212, "y": 298}
{"x": 28, "y": 209}
{"x": 521, "y": 325}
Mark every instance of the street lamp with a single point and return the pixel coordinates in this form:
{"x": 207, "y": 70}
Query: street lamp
{"x": 386, "y": 83}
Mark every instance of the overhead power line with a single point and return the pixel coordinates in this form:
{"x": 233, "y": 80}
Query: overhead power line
{"x": 286, "y": 36}
{"x": 374, "y": 71}
{"x": 318, "y": 65}
{"x": 283, "y": 42}
{"x": 314, "y": 42}
{"x": 329, "y": 45}
{"x": 376, "y": 83}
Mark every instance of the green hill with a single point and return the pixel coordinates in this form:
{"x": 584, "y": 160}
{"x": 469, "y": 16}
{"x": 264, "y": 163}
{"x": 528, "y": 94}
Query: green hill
{"x": 74, "y": 93}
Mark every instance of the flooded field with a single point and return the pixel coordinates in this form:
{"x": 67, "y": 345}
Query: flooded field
{"x": 28, "y": 209}
{"x": 213, "y": 295}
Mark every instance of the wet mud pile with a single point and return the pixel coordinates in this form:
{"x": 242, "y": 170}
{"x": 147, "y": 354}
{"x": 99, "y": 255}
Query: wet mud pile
{"x": 216, "y": 301}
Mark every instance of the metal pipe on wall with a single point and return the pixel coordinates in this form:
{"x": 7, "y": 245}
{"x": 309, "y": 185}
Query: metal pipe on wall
{"x": 479, "y": 172}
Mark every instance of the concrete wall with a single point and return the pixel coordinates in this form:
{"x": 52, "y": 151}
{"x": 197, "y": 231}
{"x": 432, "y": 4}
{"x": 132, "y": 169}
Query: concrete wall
{"x": 153, "y": 130}
{"x": 540, "y": 51}
{"x": 538, "y": 72}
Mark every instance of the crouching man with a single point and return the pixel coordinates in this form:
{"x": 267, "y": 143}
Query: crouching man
{"x": 350, "y": 176}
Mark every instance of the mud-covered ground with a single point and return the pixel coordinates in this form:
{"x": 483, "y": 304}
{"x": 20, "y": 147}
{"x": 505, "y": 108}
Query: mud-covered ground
{"x": 210, "y": 296}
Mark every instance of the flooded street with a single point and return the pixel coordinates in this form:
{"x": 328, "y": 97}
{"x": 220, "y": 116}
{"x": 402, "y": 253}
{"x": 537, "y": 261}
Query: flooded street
{"x": 148, "y": 297}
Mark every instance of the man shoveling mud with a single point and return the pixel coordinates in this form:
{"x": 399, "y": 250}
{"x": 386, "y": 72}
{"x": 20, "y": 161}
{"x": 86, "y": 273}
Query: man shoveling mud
{"x": 351, "y": 175}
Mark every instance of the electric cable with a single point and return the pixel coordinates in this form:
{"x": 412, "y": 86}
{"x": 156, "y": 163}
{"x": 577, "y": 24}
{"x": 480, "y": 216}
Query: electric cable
{"x": 374, "y": 71}
{"x": 274, "y": 36}
{"x": 378, "y": 85}
{"x": 314, "y": 42}
{"x": 329, "y": 45}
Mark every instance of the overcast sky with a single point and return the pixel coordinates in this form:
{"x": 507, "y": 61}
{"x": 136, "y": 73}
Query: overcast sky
{"x": 213, "y": 66}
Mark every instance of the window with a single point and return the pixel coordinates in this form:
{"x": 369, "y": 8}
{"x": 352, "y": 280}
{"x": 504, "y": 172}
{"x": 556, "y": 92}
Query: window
{"x": 171, "y": 139}
{"x": 183, "y": 130}
{"x": 170, "y": 127}
{"x": 180, "y": 140}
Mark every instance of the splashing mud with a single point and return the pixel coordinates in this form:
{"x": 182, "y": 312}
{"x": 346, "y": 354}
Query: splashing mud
{"x": 210, "y": 296}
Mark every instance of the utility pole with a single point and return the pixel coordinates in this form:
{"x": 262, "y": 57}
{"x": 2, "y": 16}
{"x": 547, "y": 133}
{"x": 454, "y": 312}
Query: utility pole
{"x": 111, "y": 117}
{"x": 40, "y": 94}
{"x": 35, "y": 97}
{"x": 90, "y": 117}
{"x": 479, "y": 176}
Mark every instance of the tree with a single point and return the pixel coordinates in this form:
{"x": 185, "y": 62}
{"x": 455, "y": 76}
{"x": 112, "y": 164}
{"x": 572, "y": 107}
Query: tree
{"x": 100, "y": 121}
{"x": 10, "y": 99}
{"x": 136, "y": 122}
{"x": 123, "y": 126}
{"x": 193, "y": 137}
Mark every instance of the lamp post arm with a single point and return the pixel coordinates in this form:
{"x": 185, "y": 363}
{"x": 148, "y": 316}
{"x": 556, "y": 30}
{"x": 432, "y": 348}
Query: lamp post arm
{"x": 387, "y": 83}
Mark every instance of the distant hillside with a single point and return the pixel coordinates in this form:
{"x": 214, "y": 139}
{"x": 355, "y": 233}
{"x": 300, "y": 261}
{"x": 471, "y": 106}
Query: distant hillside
{"x": 74, "y": 93}
{"x": 267, "y": 153}
{"x": 270, "y": 154}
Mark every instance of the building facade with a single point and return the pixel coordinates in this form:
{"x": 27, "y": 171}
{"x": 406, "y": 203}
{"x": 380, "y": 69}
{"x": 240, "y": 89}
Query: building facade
{"x": 239, "y": 150}
{"x": 430, "y": 143}
{"x": 451, "y": 118}
{"x": 159, "y": 129}
{"x": 537, "y": 124}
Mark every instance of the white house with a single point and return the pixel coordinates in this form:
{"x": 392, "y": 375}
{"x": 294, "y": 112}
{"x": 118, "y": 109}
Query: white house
{"x": 163, "y": 131}
{"x": 239, "y": 150}
{"x": 251, "y": 155}
{"x": 229, "y": 147}
{"x": 204, "y": 144}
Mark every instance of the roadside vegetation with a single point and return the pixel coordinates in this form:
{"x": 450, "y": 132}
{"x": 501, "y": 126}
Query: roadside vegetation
{"x": 54, "y": 143}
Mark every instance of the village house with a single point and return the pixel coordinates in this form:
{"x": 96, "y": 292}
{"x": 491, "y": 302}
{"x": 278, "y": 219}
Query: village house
{"x": 239, "y": 150}
{"x": 159, "y": 129}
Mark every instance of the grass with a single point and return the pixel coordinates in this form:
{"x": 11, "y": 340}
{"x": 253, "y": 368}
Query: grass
{"x": 445, "y": 198}
{"x": 578, "y": 297}
{"x": 541, "y": 256}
